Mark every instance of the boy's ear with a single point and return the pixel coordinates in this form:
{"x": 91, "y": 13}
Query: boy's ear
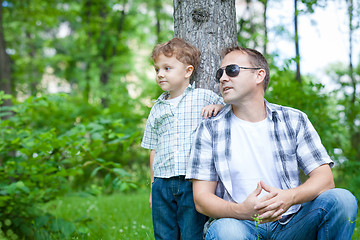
{"x": 189, "y": 71}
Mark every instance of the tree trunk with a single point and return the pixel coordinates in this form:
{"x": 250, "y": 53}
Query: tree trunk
{"x": 5, "y": 64}
{"x": 351, "y": 30}
{"x": 157, "y": 14}
{"x": 352, "y": 111}
{"x": 265, "y": 3}
{"x": 297, "y": 51}
{"x": 210, "y": 25}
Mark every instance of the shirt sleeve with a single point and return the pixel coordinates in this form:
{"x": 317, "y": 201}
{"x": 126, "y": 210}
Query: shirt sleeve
{"x": 150, "y": 137}
{"x": 217, "y": 99}
{"x": 213, "y": 98}
{"x": 201, "y": 164}
{"x": 310, "y": 151}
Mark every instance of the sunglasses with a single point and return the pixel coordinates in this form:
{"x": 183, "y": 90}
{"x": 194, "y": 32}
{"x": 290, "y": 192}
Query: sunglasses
{"x": 231, "y": 70}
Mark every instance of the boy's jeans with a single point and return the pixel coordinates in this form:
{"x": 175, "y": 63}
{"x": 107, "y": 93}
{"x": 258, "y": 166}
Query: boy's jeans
{"x": 173, "y": 210}
{"x": 331, "y": 215}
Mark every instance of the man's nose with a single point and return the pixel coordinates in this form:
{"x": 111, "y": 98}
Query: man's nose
{"x": 224, "y": 77}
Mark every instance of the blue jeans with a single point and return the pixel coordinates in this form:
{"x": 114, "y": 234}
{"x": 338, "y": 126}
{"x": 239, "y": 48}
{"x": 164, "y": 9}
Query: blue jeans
{"x": 173, "y": 210}
{"x": 331, "y": 215}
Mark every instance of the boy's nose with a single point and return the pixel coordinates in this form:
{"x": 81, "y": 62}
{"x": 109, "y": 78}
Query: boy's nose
{"x": 160, "y": 74}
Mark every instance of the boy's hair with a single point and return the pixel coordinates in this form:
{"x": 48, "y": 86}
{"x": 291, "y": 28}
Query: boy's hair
{"x": 256, "y": 60}
{"x": 183, "y": 52}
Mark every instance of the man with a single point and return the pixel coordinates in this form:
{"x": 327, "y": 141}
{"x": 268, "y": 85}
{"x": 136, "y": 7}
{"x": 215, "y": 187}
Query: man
{"x": 245, "y": 165}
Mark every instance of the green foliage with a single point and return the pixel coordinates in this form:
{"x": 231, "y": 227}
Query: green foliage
{"x": 310, "y": 98}
{"x": 49, "y": 147}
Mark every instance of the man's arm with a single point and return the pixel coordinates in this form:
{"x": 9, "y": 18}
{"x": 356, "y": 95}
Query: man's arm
{"x": 319, "y": 181}
{"x": 209, "y": 204}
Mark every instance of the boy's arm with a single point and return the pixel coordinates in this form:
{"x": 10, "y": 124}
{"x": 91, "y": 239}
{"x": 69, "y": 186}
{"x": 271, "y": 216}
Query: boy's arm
{"x": 216, "y": 103}
{"x": 152, "y": 155}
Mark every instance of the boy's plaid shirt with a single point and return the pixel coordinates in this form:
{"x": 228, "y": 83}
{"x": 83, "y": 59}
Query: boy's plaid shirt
{"x": 296, "y": 144}
{"x": 170, "y": 130}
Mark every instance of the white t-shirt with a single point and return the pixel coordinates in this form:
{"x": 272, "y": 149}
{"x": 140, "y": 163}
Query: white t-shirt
{"x": 174, "y": 101}
{"x": 252, "y": 158}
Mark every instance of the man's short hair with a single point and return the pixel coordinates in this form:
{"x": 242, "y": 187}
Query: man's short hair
{"x": 182, "y": 50}
{"x": 256, "y": 59}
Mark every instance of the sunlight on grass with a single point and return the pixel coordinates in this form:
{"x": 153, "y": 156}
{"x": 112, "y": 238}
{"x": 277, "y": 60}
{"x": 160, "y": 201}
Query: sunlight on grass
{"x": 119, "y": 216}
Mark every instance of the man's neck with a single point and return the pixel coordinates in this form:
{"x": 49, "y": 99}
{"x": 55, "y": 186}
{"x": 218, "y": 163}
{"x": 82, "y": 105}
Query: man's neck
{"x": 251, "y": 111}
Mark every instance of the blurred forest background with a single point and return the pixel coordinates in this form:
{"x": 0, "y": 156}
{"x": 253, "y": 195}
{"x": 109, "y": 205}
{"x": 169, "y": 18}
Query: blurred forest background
{"x": 77, "y": 84}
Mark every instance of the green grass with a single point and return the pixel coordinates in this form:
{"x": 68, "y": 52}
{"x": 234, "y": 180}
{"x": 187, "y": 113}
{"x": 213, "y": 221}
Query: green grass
{"x": 115, "y": 217}
{"x": 356, "y": 235}
{"x": 119, "y": 216}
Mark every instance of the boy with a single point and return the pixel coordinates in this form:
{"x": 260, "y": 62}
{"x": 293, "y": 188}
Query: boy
{"x": 169, "y": 134}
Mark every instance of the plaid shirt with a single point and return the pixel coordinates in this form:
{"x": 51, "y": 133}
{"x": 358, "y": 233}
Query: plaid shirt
{"x": 296, "y": 144}
{"x": 170, "y": 130}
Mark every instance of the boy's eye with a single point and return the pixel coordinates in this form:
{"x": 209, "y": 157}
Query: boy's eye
{"x": 167, "y": 68}
{"x": 156, "y": 70}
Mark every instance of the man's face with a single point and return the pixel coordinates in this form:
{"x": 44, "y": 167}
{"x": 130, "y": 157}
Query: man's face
{"x": 243, "y": 86}
{"x": 172, "y": 75}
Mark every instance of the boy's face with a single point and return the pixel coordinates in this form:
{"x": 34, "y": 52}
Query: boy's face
{"x": 172, "y": 75}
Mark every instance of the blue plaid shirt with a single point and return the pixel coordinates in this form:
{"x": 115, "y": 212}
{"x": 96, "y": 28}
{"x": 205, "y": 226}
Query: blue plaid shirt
{"x": 295, "y": 144}
{"x": 170, "y": 130}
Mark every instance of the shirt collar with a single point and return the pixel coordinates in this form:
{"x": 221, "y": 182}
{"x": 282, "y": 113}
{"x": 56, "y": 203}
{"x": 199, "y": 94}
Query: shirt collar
{"x": 162, "y": 98}
{"x": 271, "y": 113}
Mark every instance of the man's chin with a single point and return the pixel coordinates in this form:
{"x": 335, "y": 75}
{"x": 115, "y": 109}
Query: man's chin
{"x": 227, "y": 100}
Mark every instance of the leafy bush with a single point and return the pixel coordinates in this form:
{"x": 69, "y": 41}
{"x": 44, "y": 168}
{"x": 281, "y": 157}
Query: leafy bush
{"x": 49, "y": 146}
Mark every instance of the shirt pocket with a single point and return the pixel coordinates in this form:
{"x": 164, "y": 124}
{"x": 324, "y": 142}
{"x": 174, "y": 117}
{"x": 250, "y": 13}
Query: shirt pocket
{"x": 163, "y": 124}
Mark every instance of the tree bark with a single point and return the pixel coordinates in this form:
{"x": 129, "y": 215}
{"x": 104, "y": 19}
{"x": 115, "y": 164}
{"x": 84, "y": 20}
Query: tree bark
{"x": 5, "y": 64}
{"x": 210, "y": 25}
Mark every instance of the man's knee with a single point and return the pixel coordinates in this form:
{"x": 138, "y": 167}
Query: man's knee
{"x": 227, "y": 228}
{"x": 342, "y": 201}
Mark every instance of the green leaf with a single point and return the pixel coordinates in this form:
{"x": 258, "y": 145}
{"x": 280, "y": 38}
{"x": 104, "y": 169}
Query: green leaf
{"x": 94, "y": 172}
{"x": 107, "y": 179}
{"x": 121, "y": 172}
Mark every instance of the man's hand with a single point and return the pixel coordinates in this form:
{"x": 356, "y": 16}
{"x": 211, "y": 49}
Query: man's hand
{"x": 211, "y": 110}
{"x": 271, "y": 209}
{"x": 267, "y": 209}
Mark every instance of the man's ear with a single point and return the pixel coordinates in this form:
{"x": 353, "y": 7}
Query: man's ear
{"x": 260, "y": 76}
{"x": 189, "y": 71}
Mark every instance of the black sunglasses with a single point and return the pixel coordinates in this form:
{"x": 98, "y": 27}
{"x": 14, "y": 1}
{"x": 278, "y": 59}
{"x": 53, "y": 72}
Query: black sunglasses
{"x": 231, "y": 70}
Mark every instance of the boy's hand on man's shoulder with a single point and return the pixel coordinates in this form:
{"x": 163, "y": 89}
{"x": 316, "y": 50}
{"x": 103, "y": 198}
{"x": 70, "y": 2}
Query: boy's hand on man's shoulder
{"x": 211, "y": 110}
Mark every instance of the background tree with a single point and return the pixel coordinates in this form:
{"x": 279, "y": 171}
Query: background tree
{"x": 296, "y": 40}
{"x": 265, "y": 4}
{"x": 5, "y": 69}
{"x": 210, "y": 27}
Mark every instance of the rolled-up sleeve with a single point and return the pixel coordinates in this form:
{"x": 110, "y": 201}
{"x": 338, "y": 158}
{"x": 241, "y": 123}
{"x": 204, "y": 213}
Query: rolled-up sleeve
{"x": 310, "y": 151}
